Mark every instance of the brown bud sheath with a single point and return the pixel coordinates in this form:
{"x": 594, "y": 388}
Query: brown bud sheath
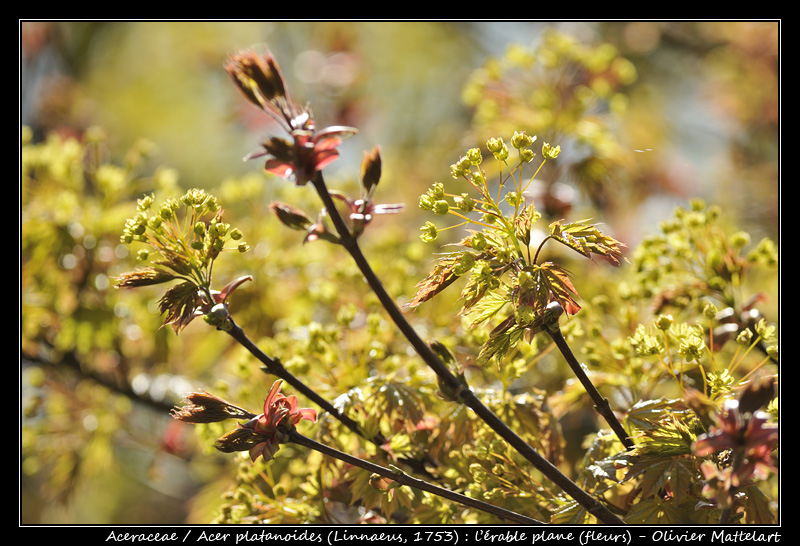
{"x": 371, "y": 169}
{"x": 204, "y": 407}
{"x": 291, "y": 216}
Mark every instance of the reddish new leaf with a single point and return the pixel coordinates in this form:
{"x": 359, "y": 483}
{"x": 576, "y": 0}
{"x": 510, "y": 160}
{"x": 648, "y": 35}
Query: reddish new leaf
{"x": 440, "y": 277}
{"x": 552, "y": 281}
{"x": 179, "y": 303}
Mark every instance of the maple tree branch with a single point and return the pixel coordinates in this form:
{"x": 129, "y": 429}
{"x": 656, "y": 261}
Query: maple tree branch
{"x": 600, "y": 402}
{"x": 405, "y": 479}
{"x": 350, "y": 243}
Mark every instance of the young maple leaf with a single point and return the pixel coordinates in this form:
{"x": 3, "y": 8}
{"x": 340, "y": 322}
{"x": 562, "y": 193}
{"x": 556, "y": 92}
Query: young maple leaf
{"x": 586, "y": 239}
{"x": 442, "y": 276}
{"x": 541, "y": 284}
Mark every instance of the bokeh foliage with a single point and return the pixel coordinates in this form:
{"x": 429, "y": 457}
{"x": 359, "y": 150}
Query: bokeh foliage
{"x": 98, "y": 373}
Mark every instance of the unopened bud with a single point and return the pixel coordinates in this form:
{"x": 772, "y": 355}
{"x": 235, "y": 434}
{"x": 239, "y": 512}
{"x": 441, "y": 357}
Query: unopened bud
{"x": 498, "y": 148}
{"x": 550, "y": 152}
{"x": 203, "y": 407}
{"x": 441, "y": 207}
{"x": 371, "y": 169}
{"x": 474, "y": 156}
{"x": 521, "y": 139}
{"x": 291, "y": 217}
{"x": 663, "y": 322}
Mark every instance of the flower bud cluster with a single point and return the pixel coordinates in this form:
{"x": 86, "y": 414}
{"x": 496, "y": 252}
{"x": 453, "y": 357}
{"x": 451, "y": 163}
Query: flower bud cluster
{"x": 163, "y": 229}
{"x": 468, "y": 167}
{"x": 187, "y": 245}
{"x": 693, "y": 256}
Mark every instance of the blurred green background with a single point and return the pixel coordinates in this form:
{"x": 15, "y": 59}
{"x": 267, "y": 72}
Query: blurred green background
{"x": 701, "y": 118}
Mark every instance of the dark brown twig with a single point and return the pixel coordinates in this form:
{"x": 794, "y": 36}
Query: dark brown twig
{"x": 600, "y": 403}
{"x": 404, "y": 479}
{"x": 276, "y": 368}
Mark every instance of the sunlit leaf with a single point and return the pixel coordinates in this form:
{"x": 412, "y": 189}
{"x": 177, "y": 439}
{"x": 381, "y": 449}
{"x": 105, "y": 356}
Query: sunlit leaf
{"x": 400, "y": 443}
{"x": 552, "y": 280}
{"x": 523, "y": 222}
{"x": 586, "y": 239}
{"x": 179, "y": 303}
{"x": 571, "y": 513}
{"x": 487, "y": 307}
{"x": 502, "y": 339}
{"x": 645, "y": 414}
{"x": 440, "y": 277}
{"x": 671, "y": 437}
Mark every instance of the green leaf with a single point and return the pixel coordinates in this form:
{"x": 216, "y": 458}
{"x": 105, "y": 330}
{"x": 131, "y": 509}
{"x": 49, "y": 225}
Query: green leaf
{"x": 400, "y": 443}
{"x": 397, "y": 401}
{"x": 501, "y": 340}
{"x": 570, "y": 513}
{"x": 652, "y": 512}
{"x": 756, "y": 506}
{"x": 653, "y": 474}
{"x": 522, "y": 224}
{"x": 681, "y": 479}
{"x": 645, "y": 414}
{"x": 586, "y": 239}
{"x": 486, "y": 307}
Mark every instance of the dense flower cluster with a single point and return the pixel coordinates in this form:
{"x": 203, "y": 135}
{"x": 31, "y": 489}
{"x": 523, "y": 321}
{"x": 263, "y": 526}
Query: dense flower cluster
{"x": 188, "y": 234}
{"x": 500, "y": 256}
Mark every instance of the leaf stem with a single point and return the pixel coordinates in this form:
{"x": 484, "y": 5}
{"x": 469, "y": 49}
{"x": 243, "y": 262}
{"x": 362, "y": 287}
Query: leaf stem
{"x": 539, "y": 248}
